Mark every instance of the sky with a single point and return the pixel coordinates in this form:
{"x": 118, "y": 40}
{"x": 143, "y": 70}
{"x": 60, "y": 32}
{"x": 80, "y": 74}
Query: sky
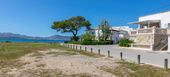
{"x": 35, "y": 17}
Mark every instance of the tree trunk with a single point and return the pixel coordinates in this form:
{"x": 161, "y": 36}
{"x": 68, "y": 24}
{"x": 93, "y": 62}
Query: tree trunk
{"x": 75, "y": 37}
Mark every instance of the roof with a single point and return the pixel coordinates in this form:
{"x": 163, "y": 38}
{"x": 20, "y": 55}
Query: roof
{"x": 145, "y": 22}
{"x": 155, "y": 13}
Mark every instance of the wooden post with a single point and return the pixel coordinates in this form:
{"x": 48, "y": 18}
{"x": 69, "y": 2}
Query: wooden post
{"x": 91, "y": 50}
{"x": 138, "y": 58}
{"x": 108, "y": 53}
{"x": 166, "y": 64}
{"x": 99, "y": 51}
{"x": 121, "y": 55}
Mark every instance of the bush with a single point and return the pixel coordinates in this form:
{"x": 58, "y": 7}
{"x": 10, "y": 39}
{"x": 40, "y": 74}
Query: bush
{"x": 87, "y": 37}
{"x": 72, "y": 42}
{"x": 125, "y": 42}
{"x": 90, "y": 42}
{"x": 8, "y": 41}
{"x": 97, "y": 42}
{"x": 73, "y": 38}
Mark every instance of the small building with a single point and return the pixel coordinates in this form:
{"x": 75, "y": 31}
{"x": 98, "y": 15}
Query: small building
{"x": 152, "y": 32}
{"x": 118, "y": 33}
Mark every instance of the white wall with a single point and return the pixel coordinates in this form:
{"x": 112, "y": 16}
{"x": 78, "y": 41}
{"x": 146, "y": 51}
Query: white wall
{"x": 164, "y": 17}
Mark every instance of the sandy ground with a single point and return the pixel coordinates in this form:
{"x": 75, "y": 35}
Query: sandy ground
{"x": 57, "y": 63}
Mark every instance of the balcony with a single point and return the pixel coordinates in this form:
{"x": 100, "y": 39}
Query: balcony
{"x": 149, "y": 31}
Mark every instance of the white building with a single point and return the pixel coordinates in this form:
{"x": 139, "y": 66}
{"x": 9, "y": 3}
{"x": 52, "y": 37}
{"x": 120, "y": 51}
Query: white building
{"x": 118, "y": 32}
{"x": 152, "y": 31}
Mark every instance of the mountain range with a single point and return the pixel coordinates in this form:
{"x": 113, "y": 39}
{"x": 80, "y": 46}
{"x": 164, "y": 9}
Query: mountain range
{"x": 19, "y": 36}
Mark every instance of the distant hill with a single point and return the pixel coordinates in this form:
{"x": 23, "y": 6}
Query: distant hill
{"x": 19, "y": 36}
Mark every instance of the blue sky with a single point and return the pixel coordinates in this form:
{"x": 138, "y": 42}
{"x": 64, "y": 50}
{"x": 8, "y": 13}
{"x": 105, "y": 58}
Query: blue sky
{"x": 35, "y": 17}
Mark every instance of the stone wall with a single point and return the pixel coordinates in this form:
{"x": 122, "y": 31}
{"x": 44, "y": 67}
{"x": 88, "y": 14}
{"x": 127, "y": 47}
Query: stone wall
{"x": 160, "y": 40}
{"x": 146, "y": 39}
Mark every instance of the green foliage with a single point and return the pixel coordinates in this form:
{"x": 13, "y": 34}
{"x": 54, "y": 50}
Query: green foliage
{"x": 97, "y": 42}
{"x": 73, "y": 42}
{"x": 73, "y": 25}
{"x": 87, "y": 37}
{"x": 91, "y": 42}
{"x": 75, "y": 38}
{"x": 125, "y": 42}
{"x": 105, "y": 28}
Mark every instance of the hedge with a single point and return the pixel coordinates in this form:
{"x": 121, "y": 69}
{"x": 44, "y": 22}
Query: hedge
{"x": 92, "y": 42}
{"x": 125, "y": 42}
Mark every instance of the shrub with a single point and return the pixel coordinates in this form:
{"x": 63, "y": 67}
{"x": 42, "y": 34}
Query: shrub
{"x": 97, "y": 42}
{"x": 87, "y": 37}
{"x": 73, "y": 38}
{"x": 8, "y": 41}
{"x": 125, "y": 42}
{"x": 72, "y": 42}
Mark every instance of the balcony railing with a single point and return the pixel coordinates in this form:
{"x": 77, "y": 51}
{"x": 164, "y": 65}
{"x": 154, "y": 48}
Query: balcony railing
{"x": 145, "y": 31}
{"x": 149, "y": 31}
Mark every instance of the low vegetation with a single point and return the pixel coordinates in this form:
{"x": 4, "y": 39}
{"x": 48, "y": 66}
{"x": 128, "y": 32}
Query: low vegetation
{"x": 10, "y": 51}
{"x": 126, "y": 69}
{"x": 125, "y": 42}
{"x": 92, "y": 42}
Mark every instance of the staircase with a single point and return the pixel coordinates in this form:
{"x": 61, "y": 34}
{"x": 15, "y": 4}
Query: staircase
{"x": 162, "y": 45}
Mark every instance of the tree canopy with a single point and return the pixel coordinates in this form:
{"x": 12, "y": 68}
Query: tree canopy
{"x": 105, "y": 29}
{"x": 73, "y": 25}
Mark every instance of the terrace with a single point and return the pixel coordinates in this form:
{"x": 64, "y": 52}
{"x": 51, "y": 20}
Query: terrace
{"x": 149, "y": 35}
{"x": 149, "y": 31}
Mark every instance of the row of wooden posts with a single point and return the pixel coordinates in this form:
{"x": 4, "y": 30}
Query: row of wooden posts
{"x": 121, "y": 54}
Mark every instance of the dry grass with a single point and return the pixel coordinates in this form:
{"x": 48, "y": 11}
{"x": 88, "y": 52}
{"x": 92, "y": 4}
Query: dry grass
{"x": 40, "y": 65}
{"x": 51, "y": 73}
{"x": 127, "y": 69}
{"x": 10, "y": 51}
{"x": 61, "y": 53}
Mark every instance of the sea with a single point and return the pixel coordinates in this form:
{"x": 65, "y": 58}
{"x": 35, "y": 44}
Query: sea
{"x": 30, "y": 40}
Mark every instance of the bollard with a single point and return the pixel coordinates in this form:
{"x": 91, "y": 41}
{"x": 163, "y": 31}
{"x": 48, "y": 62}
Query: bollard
{"x": 166, "y": 64}
{"x": 73, "y": 46}
{"x": 80, "y": 47}
{"x": 91, "y": 50}
{"x": 85, "y": 48}
{"x": 121, "y": 55}
{"x": 99, "y": 51}
{"x": 76, "y": 47}
{"x": 108, "y": 53}
{"x": 138, "y": 59}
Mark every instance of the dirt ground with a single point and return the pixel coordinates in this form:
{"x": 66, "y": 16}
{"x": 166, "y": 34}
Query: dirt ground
{"x": 58, "y": 63}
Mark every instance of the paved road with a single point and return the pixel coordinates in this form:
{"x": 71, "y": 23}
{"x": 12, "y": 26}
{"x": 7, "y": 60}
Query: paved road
{"x": 147, "y": 57}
